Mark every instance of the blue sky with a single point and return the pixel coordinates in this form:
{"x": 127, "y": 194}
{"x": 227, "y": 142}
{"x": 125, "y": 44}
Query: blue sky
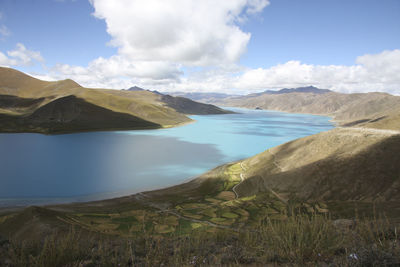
{"x": 322, "y": 32}
{"x": 240, "y": 47}
{"x": 63, "y": 31}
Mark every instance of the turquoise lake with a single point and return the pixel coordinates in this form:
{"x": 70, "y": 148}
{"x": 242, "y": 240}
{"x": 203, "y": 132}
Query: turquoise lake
{"x": 40, "y": 169}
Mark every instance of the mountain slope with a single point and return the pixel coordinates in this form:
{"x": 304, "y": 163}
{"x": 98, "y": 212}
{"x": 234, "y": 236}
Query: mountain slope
{"x": 344, "y": 108}
{"x": 187, "y": 106}
{"x": 71, "y": 114}
{"x": 13, "y": 82}
{"x": 341, "y": 164}
{"x": 308, "y": 89}
{"x": 140, "y": 104}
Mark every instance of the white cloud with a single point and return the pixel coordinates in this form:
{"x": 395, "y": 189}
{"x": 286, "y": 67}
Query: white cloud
{"x": 157, "y": 39}
{"x": 190, "y": 32}
{"x": 118, "y": 72}
{"x": 20, "y": 56}
{"x": 378, "y": 72}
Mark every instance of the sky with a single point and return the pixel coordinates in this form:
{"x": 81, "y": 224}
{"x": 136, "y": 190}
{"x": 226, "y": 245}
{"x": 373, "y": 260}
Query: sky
{"x": 228, "y": 46}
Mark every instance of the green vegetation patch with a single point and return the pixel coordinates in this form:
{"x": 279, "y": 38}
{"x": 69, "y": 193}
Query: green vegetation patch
{"x": 171, "y": 220}
{"x": 210, "y": 212}
{"x": 217, "y": 220}
{"x": 124, "y": 227}
{"x": 194, "y": 206}
{"x": 136, "y": 228}
{"x": 184, "y": 227}
{"x": 213, "y": 200}
{"x": 163, "y": 229}
{"x": 249, "y": 198}
{"x": 230, "y": 215}
{"x": 222, "y": 221}
{"x": 196, "y": 225}
{"x": 242, "y": 212}
{"x": 132, "y": 213}
{"x": 228, "y": 185}
{"x": 235, "y": 168}
{"x": 192, "y": 215}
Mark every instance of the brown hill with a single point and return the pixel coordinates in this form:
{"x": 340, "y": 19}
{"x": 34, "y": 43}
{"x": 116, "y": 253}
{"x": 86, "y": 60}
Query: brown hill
{"x": 187, "y": 106}
{"x": 148, "y": 106}
{"x": 71, "y": 114}
{"x": 13, "y": 82}
{"x": 341, "y": 164}
{"x": 344, "y": 108}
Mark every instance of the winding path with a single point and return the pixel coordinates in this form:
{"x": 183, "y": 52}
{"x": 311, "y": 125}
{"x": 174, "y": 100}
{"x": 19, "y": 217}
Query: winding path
{"x": 162, "y": 209}
{"x": 141, "y": 196}
{"x": 241, "y": 180}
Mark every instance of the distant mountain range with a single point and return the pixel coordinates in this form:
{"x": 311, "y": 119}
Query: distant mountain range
{"x": 212, "y": 97}
{"x": 28, "y": 104}
{"x": 136, "y": 88}
{"x": 308, "y": 89}
{"x": 202, "y": 97}
{"x": 355, "y": 109}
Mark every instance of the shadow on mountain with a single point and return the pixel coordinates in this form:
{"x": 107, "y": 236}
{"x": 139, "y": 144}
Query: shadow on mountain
{"x": 71, "y": 114}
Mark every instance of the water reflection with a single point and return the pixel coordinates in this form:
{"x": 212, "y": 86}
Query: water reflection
{"x": 105, "y": 164}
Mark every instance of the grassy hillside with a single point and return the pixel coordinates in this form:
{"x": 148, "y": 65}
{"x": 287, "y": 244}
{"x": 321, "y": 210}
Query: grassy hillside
{"x": 71, "y": 114}
{"x": 187, "y": 106}
{"x": 342, "y": 164}
{"x": 381, "y": 120}
{"x": 21, "y": 95}
{"x": 13, "y": 82}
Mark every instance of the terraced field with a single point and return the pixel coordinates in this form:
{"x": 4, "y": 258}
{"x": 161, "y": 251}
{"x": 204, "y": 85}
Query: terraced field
{"x": 221, "y": 209}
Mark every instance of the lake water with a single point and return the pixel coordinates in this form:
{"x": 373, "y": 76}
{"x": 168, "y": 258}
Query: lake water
{"x": 38, "y": 169}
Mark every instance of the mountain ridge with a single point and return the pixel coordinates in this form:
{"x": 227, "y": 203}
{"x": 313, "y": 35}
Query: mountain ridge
{"x": 345, "y": 109}
{"x": 306, "y": 89}
{"x": 69, "y": 114}
{"x": 149, "y": 106}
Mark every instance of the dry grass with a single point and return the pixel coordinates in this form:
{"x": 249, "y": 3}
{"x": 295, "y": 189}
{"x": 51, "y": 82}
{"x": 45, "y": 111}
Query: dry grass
{"x": 299, "y": 240}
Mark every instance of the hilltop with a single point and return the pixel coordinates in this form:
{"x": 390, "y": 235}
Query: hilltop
{"x": 30, "y": 102}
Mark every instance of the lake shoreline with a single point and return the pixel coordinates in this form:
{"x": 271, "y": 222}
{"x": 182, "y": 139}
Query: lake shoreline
{"x": 153, "y": 188}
